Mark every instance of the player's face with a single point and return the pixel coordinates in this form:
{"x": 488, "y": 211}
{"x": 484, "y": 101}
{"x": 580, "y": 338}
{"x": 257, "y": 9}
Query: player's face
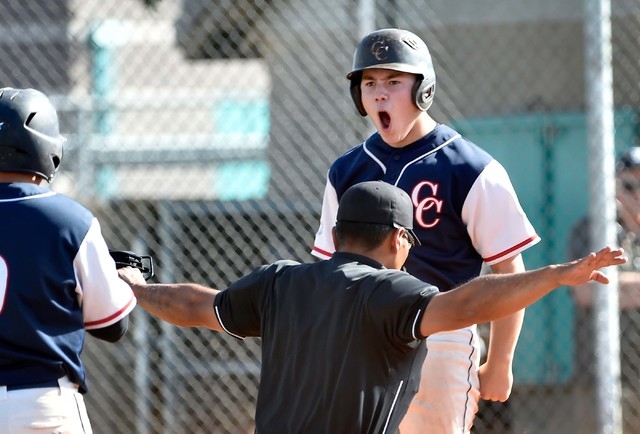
{"x": 387, "y": 96}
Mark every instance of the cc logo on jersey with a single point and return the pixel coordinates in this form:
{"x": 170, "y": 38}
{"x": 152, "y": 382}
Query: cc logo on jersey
{"x": 427, "y": 205}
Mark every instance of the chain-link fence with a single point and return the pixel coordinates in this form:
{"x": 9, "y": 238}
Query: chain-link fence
{"x": 201, "y": 131}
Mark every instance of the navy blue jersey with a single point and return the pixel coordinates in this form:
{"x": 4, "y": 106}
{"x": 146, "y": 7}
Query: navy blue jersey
{"x": 56, "y": 280}
{"x": 340, "y": 339}
{"x": 466, "y": 210}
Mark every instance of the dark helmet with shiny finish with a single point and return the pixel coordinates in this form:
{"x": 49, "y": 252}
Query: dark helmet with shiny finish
{"x": 30, "y": 139}
{"x": 398, "y": 50}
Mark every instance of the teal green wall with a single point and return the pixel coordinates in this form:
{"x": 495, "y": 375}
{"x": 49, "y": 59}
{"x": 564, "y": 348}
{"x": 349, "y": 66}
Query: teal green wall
{"x": 547, "y": 159}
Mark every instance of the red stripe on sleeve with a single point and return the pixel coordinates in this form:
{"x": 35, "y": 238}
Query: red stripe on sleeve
{"x": 516, "y": 247}
{"x": 96, "y": 324}
{"x": 322, "y": 252}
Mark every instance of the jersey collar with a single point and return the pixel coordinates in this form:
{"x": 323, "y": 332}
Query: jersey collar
{"x": 350, "y": 257}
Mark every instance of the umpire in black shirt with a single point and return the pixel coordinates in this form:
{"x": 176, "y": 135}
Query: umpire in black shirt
{"x": 343, "y": 339}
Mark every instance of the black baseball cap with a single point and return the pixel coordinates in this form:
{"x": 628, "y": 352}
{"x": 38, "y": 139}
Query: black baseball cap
{"x": 629, "y": 160}
{"x": 378, "y": 202}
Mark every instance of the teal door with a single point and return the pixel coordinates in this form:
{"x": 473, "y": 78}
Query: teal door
{"x": 547, "y": 159}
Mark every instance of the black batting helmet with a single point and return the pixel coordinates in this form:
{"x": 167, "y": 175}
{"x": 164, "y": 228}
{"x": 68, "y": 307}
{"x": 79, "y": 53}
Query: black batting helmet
{"x": 30, "y": 139}
{"x": 399, "y": 50}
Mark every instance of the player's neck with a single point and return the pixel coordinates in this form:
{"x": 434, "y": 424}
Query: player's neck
{"x": 8, "y": 177}
{"x": 424, "y": 125}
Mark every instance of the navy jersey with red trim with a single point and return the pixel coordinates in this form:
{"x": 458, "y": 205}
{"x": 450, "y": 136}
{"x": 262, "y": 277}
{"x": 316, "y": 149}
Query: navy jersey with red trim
{"x": 340, "y": 339}
{"x": 466, "y": 210}
{"x": 55, "y": 281}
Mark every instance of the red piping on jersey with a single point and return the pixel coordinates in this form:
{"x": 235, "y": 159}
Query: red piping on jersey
{"x": 109, "y": 318}
{"x": 322, "y": 252}
{"x": 506, "y": 252}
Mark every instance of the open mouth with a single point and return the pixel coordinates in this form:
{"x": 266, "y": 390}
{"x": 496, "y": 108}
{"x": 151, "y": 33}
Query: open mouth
{"x": 385, "y": 119}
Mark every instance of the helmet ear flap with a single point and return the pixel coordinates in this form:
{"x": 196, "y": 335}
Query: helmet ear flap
{"x": 356, "y": 94}
{"x": 423, "y": 93}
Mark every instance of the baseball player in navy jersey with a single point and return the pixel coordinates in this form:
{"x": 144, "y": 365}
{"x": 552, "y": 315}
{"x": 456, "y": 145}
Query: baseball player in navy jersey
{"x": 466, "y": 213}
{"x": 57, "y": 279}
{"x": 342, "y": 339}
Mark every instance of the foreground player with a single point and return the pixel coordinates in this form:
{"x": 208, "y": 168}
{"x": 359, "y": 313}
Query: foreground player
{"x": 466, "y": 213}
{"x": 56, "y": 277}
{"x": 341, "y": 339}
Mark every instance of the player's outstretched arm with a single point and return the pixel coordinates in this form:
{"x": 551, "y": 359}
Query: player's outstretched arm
{"x": 493, "y": 296}
{"x": 182, "y": 304}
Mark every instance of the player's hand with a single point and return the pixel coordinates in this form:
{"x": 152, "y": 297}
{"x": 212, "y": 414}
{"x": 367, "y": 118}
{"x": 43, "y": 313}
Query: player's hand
{"x": 495, "y": 383}
{"x": 131, "y": 275}
{"x": 587, "y": 269}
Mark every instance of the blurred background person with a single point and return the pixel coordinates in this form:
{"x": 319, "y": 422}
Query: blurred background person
{"x": 628, "y": 230}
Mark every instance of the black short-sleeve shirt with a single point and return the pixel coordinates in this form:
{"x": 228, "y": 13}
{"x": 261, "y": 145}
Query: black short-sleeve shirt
{"x": 341, "y": 350}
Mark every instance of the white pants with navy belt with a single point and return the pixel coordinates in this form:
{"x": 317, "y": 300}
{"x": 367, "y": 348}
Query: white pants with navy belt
{"x": 46, "y": 410}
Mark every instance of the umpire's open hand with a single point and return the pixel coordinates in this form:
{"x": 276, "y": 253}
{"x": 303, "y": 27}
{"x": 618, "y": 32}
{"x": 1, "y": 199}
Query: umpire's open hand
{"x": 586, "y": 269}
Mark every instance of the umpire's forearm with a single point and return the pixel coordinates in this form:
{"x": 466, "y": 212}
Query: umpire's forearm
{"x": 182, "y": 304}
{"x": 496, "y": 296}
